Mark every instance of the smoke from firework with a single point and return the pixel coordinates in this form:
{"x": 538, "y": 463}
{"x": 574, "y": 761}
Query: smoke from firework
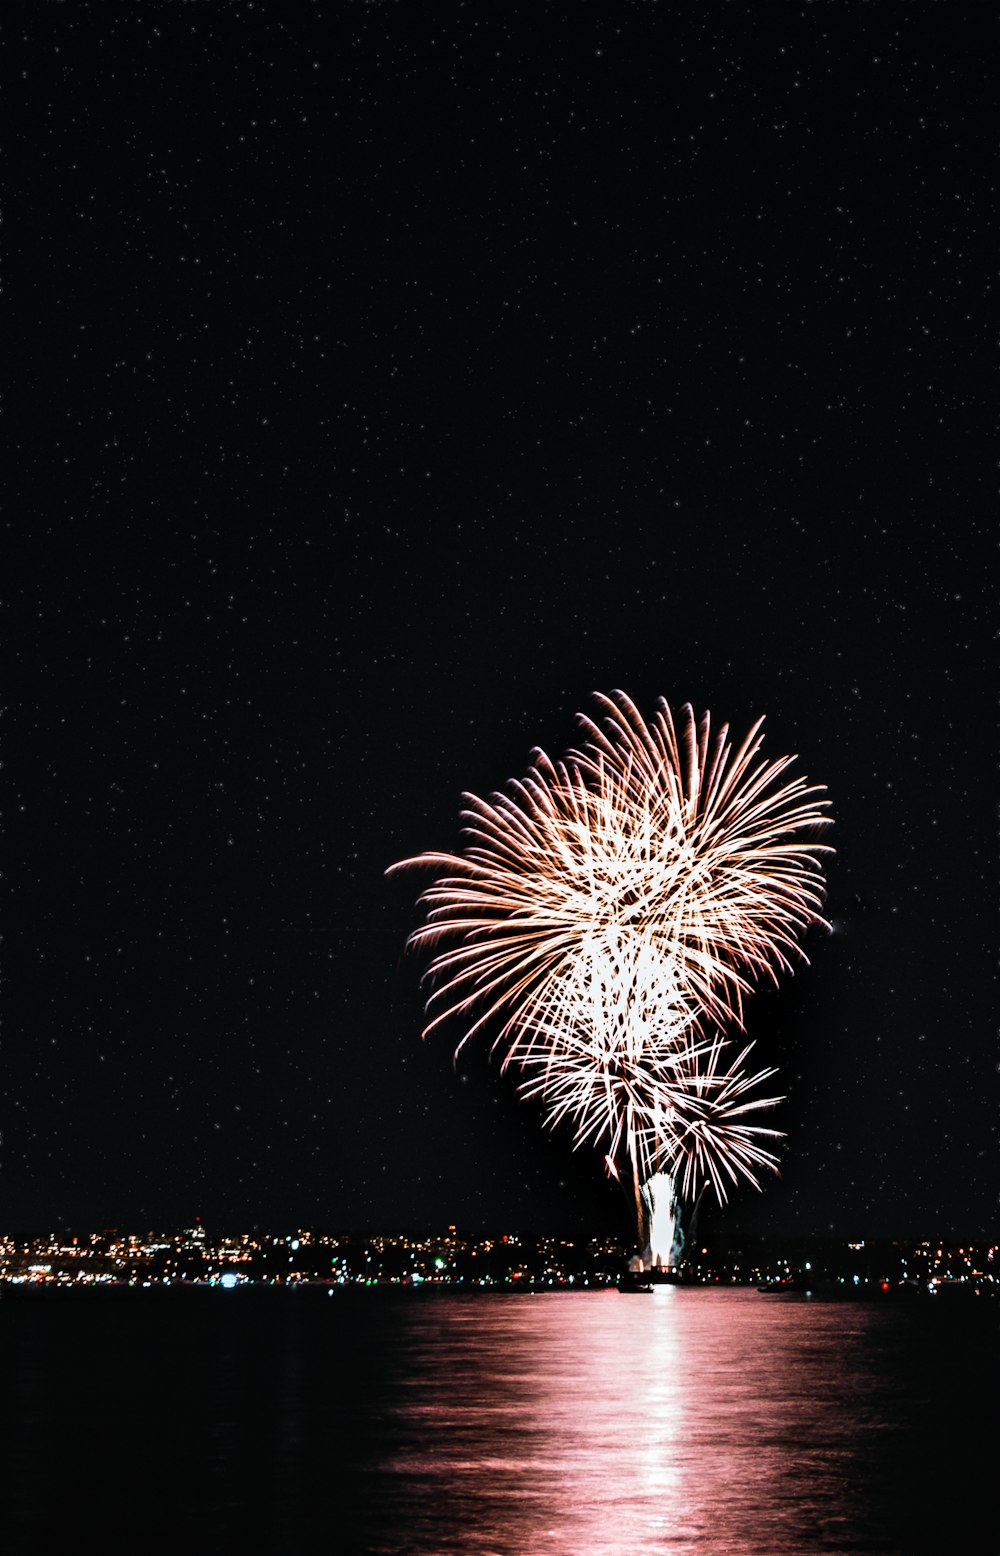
{"x": 608, "y": 916}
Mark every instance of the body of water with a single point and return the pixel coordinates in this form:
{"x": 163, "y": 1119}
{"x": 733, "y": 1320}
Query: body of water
{"x": 685, "y": 1421}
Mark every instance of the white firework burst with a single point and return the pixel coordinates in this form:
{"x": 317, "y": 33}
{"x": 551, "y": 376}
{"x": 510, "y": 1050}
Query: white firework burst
{"x": 609, "y": 914}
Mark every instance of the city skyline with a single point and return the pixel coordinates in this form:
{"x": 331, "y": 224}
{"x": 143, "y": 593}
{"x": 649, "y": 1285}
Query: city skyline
{"x": 454, "y": 1258}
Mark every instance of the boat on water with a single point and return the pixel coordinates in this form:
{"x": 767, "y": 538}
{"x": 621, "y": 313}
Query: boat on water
{"x": 634, "y": 1285}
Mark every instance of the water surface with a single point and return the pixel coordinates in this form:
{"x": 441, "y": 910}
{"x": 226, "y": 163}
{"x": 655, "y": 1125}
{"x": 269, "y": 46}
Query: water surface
{"x": 685, "y": 1421}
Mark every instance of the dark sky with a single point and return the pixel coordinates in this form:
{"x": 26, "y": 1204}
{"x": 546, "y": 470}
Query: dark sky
{"x": 387, "y": 379}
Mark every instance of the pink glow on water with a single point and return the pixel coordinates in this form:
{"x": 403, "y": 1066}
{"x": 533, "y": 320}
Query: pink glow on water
{"x": 596, "y": 1424}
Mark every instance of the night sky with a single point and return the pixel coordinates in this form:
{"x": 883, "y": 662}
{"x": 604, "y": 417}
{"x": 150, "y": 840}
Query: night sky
{"x": 386, "y": 380}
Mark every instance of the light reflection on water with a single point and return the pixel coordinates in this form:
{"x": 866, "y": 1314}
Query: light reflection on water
{"x": 590, "y": 1424}
{"x": 681, "y": 1421}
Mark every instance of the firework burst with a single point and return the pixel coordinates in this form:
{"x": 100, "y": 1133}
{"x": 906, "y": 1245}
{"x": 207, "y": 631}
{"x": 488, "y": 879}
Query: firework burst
{"x": 609, "y": 914}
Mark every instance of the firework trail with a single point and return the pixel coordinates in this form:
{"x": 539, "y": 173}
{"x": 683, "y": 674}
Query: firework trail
{"x": 608, "y": 916}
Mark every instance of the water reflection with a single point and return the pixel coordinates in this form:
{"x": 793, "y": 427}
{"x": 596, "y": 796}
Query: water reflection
{"x": 687, "y": 1421}
{"x": 679, "y": 1421}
